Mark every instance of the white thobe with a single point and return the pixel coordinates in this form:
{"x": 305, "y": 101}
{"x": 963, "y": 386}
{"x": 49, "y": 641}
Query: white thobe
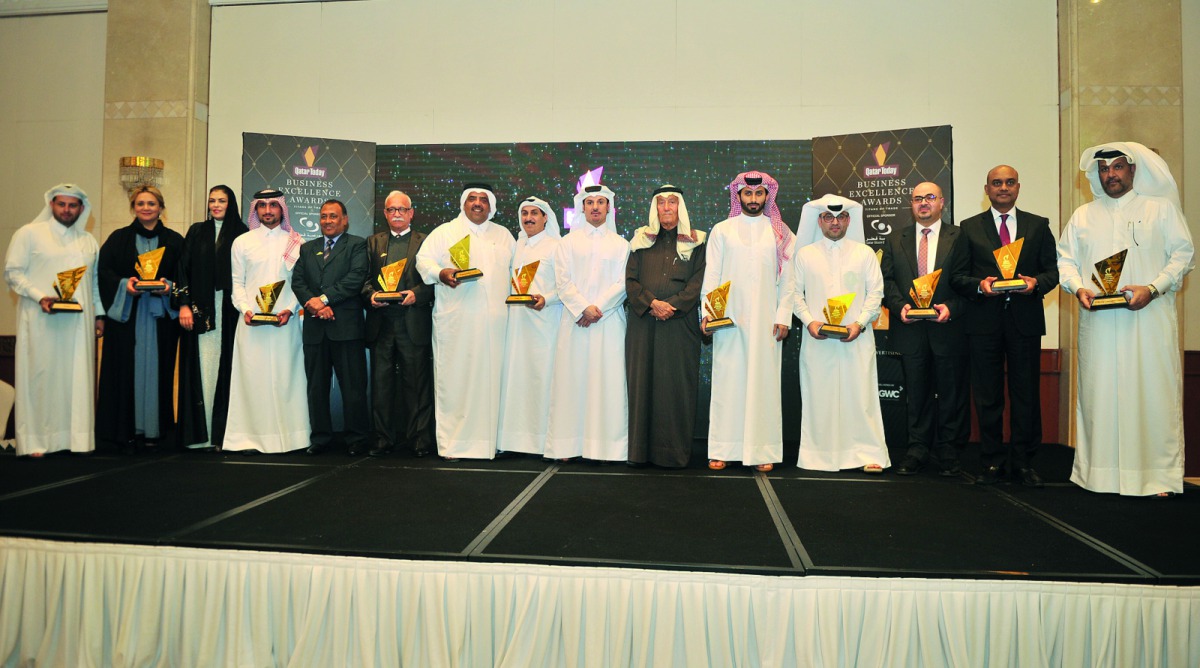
{"x": 590, "y": 416}
{"x": 1129, "y": 405}
{"x": 268, "y": 400}
{"x": 56, "y": 353}
{"x": 529, "y": 354}
{"x": 469, "y": 324}
{"x": 841, "y": 424}
{"x": 745, "y": 414}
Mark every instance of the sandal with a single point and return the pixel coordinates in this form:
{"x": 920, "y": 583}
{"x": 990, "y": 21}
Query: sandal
{"x": 873, "y": 469}
{"x": 716, "y": 464}
{"x": 764, "y": 468}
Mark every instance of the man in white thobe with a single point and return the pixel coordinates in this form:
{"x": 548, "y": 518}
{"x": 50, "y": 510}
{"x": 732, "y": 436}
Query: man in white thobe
{"x": 841, "y": 424}
{"x": 590, "y": 416}
{"x": 268, "y": 391}
{"x": 532, "y": 335}
{"x": 1129, "y": 405}
{"x": 751, "y": 251}
{"x": 469, "y": 322}
{"x": 56, "y": 351}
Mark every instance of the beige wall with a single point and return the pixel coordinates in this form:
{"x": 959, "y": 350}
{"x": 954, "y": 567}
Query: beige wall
{"x": 408, "y": 72}
{"x": 51, "y": 119}
{"x": 1189, "y": 180}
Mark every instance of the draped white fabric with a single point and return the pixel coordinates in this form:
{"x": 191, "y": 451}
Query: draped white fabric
{"x": 76, "y": 604}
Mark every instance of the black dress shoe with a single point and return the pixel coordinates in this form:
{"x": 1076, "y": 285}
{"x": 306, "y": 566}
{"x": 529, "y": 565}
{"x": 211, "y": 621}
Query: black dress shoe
{"x": 950, "y": 470}
{"x": 636, "y": 465}
{"x": 251, "y": 452}
{"x": 314, "y": 449}
{"x": 356, "y": 449}
{"x": 420, "y": 452}
{"x": 379, "y": 450}
{"x": 990, "y": 476}
{"x": 1030, "y": 478}
{"x": 909, "y": 466}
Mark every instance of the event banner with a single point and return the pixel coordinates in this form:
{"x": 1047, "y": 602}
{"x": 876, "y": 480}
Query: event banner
{"x": 433, "y": 175}
{"x": 880, "y": 169}
{"x": 310, "y": 171}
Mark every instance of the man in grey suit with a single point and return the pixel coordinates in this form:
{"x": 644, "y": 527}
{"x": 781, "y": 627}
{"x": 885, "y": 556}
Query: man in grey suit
{"x": 400, "y": 336}
{"x": 327, "y": 280}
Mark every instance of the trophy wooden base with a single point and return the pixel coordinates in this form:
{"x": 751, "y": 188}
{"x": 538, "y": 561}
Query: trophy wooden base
{"x": 834, "y": 331}
{"x": 389, "y": 297}
{"x": 467, "y": 275}
{"x": 1105, "y": 302}
{"x": 65, "y": 306}
{"x": 720, "y": 323}
{"x": 1008, "y": 285}
{"x": 150, "y": 286}
{"x": 520, "y": 300}
{"x": 264, "y": 319}
{"x": 922, "y": 314}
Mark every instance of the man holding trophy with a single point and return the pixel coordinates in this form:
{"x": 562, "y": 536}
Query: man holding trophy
{"x": 1012, "y": 265}
{"x": 268, "y": 405}
{"x": 1132, "y": 243}
{"x": 398, "y": 330}
{"x": 51, "y": 265}
{"x": 748, "y": 291}
{"x": 534, "y": 313}
{"x": 929, "y": 336}
{"x": 839, "y": 289}
{"x": 467, "y": 260}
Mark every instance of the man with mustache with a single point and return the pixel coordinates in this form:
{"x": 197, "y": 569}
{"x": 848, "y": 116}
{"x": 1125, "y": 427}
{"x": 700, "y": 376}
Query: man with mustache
{"x": 469, "y": 321}
{"x": 1129, "y": 405}
{"x": 933, "y": 352}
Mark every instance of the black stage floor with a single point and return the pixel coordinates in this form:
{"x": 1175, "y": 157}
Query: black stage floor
{"x": 788, "y": 522}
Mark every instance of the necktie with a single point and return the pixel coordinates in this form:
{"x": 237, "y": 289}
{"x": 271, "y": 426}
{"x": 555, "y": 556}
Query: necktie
{"x": 1004, "y": 238}
{"x": 923, "y": 253}
{"x": 328, "y": 248}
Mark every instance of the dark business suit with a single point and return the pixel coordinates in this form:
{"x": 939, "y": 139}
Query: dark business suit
{"x": 933, "y": 354}
{"x": 1007, "y": 330}
{"x": 401, "y": 344}
{"x": 335, "y": 345}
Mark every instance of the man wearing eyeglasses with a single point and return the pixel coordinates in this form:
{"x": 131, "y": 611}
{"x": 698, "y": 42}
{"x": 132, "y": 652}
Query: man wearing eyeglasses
{"x": 399, "y": 336}
{"x": 1005, "y": 328}
{"x": 933, "y": 351}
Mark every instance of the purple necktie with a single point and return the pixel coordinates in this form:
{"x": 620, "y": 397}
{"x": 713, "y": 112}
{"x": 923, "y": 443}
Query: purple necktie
{"x": 923, "y": 253}
{"x": 1004, "y": 238}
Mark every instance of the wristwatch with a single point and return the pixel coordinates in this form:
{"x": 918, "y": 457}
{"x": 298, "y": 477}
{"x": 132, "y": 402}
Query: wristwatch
{"x": 1154, "y": 293}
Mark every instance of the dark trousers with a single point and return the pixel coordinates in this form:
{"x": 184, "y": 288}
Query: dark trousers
{"x": 402, "y": 389}
{"x": 990, "y": 355}
{"x": 348, "y": 359}
{"x": 938, "y": 424}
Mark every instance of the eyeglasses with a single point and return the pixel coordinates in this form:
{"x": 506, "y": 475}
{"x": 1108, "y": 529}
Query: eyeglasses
{"x": 931, "y": 198}
{"x": 828, "y": 217}
{"x": 397, "y": 209}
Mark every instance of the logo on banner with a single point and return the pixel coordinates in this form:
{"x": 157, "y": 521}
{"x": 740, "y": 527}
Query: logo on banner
{"x": 307, "y": 171}
{"x": 881, "y": 170}
{"x": 890, "y": 391}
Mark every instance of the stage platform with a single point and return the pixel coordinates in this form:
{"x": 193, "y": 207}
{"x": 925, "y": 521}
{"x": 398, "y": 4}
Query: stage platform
{"x": 788, "y": 522}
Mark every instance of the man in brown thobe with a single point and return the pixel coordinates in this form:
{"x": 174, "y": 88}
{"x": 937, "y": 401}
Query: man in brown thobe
{"x": 662, "y": 340}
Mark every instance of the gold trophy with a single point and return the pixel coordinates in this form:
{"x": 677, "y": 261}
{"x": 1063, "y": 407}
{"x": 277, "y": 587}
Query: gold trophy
{"x": 834, "y": 313}
{"x": 1109, "y": 270}
{"x": 147, "y": 267}
{"x": 65, "y": 287}
{"x": 389, "y": 280}
{"x": 460, "y": 255}
{"x": 522, "y": 279}
{"x": 268, "y": 295}
{"x": 1006, "y": 260}
{"x": 922, "y": 295}
{"x": 715, "y": 303}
